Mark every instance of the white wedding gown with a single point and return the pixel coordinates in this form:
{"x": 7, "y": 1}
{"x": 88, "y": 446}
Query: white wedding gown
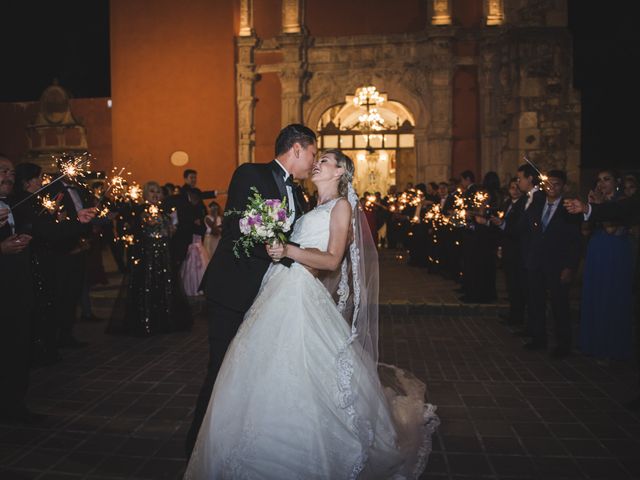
{"x": 293, "y": 401}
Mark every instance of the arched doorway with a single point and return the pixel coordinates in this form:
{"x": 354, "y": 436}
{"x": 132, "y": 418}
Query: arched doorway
{"x": 377, "y": 134}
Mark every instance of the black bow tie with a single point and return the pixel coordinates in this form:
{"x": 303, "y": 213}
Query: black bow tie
{"x": 289, "y": 181}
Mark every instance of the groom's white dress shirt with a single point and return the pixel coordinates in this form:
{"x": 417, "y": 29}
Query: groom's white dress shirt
{"x": 290, "y": 200}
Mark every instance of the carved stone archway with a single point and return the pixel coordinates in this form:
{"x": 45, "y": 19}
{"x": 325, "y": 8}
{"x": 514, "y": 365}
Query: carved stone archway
{"x": 326, "y": 90}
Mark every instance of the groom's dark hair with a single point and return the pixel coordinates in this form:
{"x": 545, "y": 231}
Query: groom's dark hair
{"x": 294, "y": 133}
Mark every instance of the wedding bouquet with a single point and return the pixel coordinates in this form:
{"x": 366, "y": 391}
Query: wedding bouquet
{"x": 263, "y": 221}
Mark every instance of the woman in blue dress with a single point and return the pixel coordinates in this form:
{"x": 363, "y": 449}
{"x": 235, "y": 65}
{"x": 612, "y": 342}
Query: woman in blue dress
{"x": 606, "y": 309}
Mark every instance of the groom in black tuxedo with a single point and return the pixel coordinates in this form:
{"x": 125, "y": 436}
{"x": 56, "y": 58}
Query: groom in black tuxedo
{"x": 231, "y": 284}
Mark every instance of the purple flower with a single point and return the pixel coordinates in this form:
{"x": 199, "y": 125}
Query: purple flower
{"x": 272, "y": 202}
{"x": 255, "y": 219}
{"x": 282, "y": 215}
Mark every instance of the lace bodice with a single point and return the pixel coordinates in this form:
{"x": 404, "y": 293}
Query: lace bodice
{"x": 312, "y": 229}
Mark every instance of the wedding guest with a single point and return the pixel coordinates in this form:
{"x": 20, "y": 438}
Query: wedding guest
{"x": 151, "y": 300}
{"x": 16, "y": 299}
{"x": 70, "y": 253}
{"x": 46, "y": 226}
{"x": 419, "y": 230}
{"x": 630, "y": 185}
{"x": 529, "y": 185}
{"x": 626, "y": 210}
{"x": 481, "y": 243}
{"x": 213, "y": 222}
{"x": 193, "y": 268}
{"x": 552, "y": 259}
{"x": 511, "y": 254}
{"x": 190, "y": 191}
{"x": 189, "y": 221}
{"x": 606, "y": 303}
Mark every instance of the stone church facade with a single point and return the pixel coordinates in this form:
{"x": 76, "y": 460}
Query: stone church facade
{"x": 483, "y": 91}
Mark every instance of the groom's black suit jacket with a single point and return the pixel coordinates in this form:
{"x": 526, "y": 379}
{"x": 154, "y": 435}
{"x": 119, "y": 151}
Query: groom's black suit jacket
{"x": 234, "y": 282}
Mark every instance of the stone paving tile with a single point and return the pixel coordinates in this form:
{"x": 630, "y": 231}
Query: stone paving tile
{"x": 121, "y": 407}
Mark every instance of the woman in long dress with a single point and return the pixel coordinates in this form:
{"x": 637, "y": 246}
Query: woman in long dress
{"x": 606, "y": 311}
{"x": 298, "y": 395}
{"x": 150, "y": 300}
{"x": 213, "y": 222}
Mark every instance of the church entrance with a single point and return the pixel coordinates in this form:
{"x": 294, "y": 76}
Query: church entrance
{"x": 377, "y": 134}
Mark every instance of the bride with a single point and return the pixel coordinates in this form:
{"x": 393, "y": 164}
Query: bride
{"x": 299, "y": 394}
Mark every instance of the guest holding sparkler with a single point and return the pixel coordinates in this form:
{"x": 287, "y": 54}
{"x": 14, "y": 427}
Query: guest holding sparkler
{"x": 552, "y": 259}
{"x": 42, "y": 218}
{"x": 150, "y": 297}
{"x": 16, "y": 297}
{"x": 528, "y": 183}
{"x": 511, "y": 254}
{"x": 70, "y": 252}
{"x": 481, "y": 242}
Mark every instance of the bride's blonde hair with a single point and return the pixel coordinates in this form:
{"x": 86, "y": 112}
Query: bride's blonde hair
{"x": 347, "y": 164}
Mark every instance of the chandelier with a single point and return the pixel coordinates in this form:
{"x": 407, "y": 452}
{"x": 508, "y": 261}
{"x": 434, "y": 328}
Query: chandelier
{"x": 370, "y": 121}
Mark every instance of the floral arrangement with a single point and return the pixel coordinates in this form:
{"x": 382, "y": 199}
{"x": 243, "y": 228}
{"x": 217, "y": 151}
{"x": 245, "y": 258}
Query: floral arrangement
{"x": 263, "y": 221}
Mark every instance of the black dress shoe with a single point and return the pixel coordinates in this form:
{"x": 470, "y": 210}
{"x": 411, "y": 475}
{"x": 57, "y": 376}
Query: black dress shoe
{"x": 533, "y": 345}
{"x": 560, "y": 352}
{"x": 71, "y": 342}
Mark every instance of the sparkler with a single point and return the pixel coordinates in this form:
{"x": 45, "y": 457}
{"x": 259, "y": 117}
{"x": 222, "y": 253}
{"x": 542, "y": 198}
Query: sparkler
{"x": 543, "y": 178}
{"x": 115, "y": 181}
{"x": 72, "y": 168}
{"x": 48, "y": 203}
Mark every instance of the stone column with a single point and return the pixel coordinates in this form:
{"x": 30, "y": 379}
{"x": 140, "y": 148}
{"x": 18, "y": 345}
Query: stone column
{"x": 246, "y": 18}
{"x": 491, "y": 138}
{"x": 495, "y": 12}
{"x": 441, "y": 12}
{"x": 437, "y": 165}
{"x": 292, "y": 76}
{"x": 291, "y": 15}
{"x": 245, "y": 98}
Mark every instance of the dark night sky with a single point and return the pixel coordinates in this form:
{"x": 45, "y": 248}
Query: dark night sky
{"x": 69, "y": 40}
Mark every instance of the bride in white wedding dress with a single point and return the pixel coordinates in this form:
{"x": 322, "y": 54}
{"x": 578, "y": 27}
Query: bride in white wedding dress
{"x": 299, "y": 395}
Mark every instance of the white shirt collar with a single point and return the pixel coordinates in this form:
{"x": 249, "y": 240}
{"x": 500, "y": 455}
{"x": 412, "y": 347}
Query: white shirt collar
{"x": 533, "y": 190}
{"x": 555, "y": 202}
{"x": 286, "y": 172}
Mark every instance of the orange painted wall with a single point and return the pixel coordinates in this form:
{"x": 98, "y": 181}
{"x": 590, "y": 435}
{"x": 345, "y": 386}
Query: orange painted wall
{"x": 93, "y": 113}
{"x": 360, "y": 17}
{"x": 96, "y": 116}
{"x": 173, "y": 88}
{"x": 465, "y": 152}
{"x": 267, "y": 18}
{"x": 267, "y": 115}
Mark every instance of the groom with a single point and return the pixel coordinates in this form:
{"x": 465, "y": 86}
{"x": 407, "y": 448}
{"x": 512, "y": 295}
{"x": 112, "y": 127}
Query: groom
{"x": 230, "y": 283}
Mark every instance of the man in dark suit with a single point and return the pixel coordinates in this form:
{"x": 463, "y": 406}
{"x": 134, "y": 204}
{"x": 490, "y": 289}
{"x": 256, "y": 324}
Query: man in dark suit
{"x": 194, "y": 195}
{"x": 70, "y": 254}
{"x": 552, "y": 259}
{"x": 529, "y": 184}
{"x": 16, "y": 298}
{"x": 231, "y": 284}
{"x": 511, "y": 255}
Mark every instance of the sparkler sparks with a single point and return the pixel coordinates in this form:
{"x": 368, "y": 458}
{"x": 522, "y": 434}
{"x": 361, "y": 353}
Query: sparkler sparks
{"x": 48, "y": 203}
{"x": 74, "y": 166}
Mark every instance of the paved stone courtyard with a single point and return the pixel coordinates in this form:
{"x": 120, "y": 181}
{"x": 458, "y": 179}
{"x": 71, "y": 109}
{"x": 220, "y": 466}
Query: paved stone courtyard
{"x": 121, "y": 407}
